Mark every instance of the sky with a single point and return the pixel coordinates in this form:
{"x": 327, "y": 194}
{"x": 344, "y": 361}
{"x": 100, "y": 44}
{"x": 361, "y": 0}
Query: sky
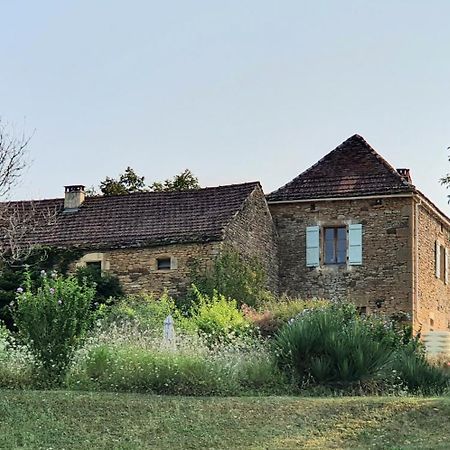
{"x": 235, "y": 90}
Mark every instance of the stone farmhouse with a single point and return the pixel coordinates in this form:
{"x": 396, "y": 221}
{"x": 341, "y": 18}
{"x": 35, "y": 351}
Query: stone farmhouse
{"x": 350, "y": 227}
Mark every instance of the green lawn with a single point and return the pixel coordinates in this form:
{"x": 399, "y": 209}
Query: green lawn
{"x": 70, "y": 420}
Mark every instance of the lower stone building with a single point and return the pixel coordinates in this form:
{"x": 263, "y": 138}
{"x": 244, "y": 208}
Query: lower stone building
{"x": 351, "y": 227}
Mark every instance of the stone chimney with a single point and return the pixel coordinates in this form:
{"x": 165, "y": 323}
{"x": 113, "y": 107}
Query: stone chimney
{"x": 74, "y": 197}
{"x": 405, "y": 174}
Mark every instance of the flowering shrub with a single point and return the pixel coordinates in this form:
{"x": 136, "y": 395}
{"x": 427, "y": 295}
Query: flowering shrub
{"x": 273, "y": 314}
{"x": 52, "y": 320}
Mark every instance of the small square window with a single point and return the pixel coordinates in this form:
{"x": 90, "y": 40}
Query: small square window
{"x": 335, "y": 245}
{"x": 163, "y": 263}
{"x": 94, "y": 266}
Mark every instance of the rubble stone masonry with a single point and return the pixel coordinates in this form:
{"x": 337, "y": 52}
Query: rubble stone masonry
{"x": 433, "y": 296}
{"x": 383, "y": 283}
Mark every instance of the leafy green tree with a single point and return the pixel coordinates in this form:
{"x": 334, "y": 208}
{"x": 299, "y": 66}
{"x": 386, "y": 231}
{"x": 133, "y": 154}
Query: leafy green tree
{"x": 184, "y": 181}
{"x": 127, "y": 183}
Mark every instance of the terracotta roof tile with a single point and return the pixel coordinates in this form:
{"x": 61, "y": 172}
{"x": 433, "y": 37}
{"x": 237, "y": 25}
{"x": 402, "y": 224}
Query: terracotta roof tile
{"x": 352, "y": 169}
{"x": 141, "y": 219}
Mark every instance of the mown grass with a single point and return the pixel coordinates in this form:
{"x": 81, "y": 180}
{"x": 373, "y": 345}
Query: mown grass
{"x": 73, "y": 420}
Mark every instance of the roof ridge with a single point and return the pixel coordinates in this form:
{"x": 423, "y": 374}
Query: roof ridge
{"x": 352, "y": 145}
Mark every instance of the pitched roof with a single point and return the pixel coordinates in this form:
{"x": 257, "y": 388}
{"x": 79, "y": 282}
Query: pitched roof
{"x": 352, "y": 169}
{"x": 139, "y": 219}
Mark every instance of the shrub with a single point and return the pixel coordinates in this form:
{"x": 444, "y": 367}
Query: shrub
{"x": 143, "y": 311}
{"x": 234, "y": 277}
{"x": 275, "y": 313}
{"x": 418, "y": 374}
{"x": 330, "y": 346}
{"x": 52, "y": 320}
{"x": 107, "y": 286}
{"x": 217, "y": 318}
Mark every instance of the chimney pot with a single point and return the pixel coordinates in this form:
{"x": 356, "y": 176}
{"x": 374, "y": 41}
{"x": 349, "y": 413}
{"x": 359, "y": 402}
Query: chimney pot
{"x": 405, "y": 174}
{"x": 73, "y": 197}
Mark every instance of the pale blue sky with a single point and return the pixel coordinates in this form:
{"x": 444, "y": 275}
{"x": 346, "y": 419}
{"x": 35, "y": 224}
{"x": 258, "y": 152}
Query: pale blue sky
{"x": 234, "y": 90}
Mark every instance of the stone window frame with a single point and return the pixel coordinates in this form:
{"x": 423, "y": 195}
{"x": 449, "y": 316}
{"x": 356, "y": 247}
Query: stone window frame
{"x": 93, "y": 258}
{"x": 173, "y": 263}
{"x": 442, "y": 264}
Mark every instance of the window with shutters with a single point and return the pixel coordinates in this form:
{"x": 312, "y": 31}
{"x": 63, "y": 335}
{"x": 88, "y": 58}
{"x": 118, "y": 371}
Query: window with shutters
{"x": 335, "y": 245}
{"x": 442, "y": 263}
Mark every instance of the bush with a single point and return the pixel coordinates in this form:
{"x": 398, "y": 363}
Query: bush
{"x": 418, "y": 375}
{"x": 234, "y": 277}
{"x": 273, "y": 314}
{"x": 107, "y": 286}
{"x": 217, "y": 318}
{"x": 52, "y": 321}
{"x": 326, "y": 346}
{"x": 143, "y": 311}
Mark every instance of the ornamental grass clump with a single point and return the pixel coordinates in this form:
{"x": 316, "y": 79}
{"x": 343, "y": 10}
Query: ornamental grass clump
{"x": 331, "y": 346}
{"x": 52, "y": 320}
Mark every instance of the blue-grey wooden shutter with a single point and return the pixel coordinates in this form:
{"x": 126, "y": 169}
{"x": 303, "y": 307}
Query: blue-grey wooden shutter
{"x": 355, "y": 244}
{"x": 312, "y": 246}
{"x": 438, "y": 259}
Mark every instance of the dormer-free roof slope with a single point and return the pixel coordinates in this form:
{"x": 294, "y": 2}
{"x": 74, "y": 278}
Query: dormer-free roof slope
{"x": 140, "y": 219}
{"x": 353, "y": 169}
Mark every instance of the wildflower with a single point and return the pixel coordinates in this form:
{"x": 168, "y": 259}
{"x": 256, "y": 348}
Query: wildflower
{"x": 43, "y": 274}
{"x": 11, "y": 303}
{"x": 19, "y": 290}
{"x": 52, "y": 291}
{"x": 59, "y": 302}
{"x": 54, "y": 274}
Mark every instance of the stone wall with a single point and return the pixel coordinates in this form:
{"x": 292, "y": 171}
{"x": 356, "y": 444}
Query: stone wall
{"x": 252, "y": 233}
{"x": 137, "y": 269}
{"x": 383, "y": 283}
{"x": 433, "y": 299}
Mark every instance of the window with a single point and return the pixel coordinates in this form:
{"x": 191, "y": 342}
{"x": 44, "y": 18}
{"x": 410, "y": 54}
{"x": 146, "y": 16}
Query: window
{"x": 335, "y": 245}
{"x": 163, "y": 263}
{"x": 94, "y": 266}
{"x": 441, "y": 262}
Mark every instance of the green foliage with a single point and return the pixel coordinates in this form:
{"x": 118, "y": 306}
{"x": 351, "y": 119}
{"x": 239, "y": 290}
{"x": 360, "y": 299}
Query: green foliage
{"x": 128, "y": 359}
{"x": 417, "y": 374}
{"x": 107, "y": 286}
{"x": 276, "y": 312}
{"x": 143, "y": 311}
{"x": 52, "y": 320}
{"x": 127, "y": 183}
{"x": 217, "y": 318}
{"x": 184, "y": 181}
{"x": 41, "y": 258}
{"x": 326, "y": 346}
{"x": 232, "y": 276}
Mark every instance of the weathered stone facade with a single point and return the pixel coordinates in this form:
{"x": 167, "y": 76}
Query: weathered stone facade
{"x": 252, "y": 233}
{"x": 432, "y": 309}
{"x": 137, "y": 269}
{"x": 382, "y": 283}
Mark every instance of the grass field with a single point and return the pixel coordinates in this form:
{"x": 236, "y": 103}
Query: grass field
{"x": 70, "y": 420}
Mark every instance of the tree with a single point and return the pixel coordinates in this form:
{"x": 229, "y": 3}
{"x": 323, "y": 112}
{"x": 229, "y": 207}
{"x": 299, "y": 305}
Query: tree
{"x": 184, "y": 181}
{"x": 129, "y": 182}
{"x": 446, "y": 179}
{"x": 12, "y": 157}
